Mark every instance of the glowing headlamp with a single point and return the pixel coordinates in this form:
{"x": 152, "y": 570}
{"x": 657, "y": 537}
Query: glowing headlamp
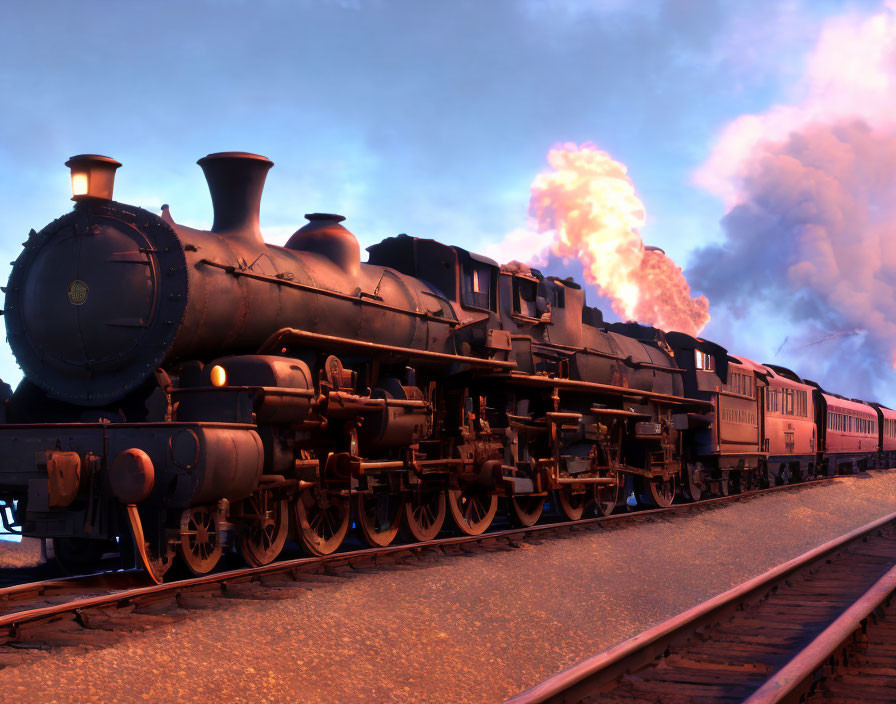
{"x": 93, "y": 176}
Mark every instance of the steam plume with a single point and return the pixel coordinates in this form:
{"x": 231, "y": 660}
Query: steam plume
{"x": 586, "y": 208}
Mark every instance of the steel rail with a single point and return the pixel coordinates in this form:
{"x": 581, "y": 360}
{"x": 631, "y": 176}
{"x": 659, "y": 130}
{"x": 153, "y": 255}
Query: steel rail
{"x": 97, "y": 580}
{"x": 596, "y": 672}
{"x": 11, "y": 622}
{"x": 798, "y": 676}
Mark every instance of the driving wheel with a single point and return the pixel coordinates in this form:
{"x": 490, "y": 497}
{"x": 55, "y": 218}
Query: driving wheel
{"x": 200, "y": 540}
{"x": 662, "y": 490}
{"x": 266, "y": 527}
{"x": 472, "y": 510}
{"x": 379, "y": 517}
{"x": 526, "y": 509}
{"x": 606, "y": 496}
{"x": 572, "y": 502}
{"x": 425, "y": 509}
{"x": 322, "y": 520}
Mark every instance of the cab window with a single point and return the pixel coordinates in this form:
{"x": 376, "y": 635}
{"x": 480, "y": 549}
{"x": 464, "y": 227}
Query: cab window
{"x": 704, "y": 361}
{"x": 558, "y": 296}
{"x": 480, "y": 285}
{"x": 525, "y": 292}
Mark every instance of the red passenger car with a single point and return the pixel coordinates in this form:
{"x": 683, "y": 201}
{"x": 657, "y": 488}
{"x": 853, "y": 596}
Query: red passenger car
{"x": 789, "y": 434}
{"x": 848, "y": 432}
{"x": 724, "y": 445}
{"x": 738, "y": 421}
{"x": 886, "y": 423}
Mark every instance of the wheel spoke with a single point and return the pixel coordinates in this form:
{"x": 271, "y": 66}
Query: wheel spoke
{"x": 472, "y": 514}
{"x": 199, "y": 546}
{"x": 424, "y": 514}
{"x": 321, "y": 529}
{"x": 266, "y": 524}
{"x": 468, "y": 509}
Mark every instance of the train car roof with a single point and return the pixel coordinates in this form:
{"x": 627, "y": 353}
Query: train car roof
{"x": 831, "y": 397}
{"x": 478, "y": 257}
{"x": 749, "y": 364}
{"x": 685, "y": 341}
{"x": 885, "y": 412}
{"x": 847, "y": 403}
{"x": 403, "y": 241}
{"x": 786, "y": 380}
{"x": 787, "y": 373}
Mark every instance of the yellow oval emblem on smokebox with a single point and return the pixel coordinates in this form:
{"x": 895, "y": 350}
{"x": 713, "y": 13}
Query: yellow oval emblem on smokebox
{"x": 77, "y": 292}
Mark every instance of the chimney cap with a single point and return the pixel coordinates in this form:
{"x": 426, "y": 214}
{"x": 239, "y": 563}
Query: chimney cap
{"x": 324, "y": 216}
{"x": 91, "y": 159}
{"x": 234, "y": 155}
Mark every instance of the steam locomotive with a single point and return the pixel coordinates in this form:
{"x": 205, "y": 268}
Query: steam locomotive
{"x": 190, "y": 392}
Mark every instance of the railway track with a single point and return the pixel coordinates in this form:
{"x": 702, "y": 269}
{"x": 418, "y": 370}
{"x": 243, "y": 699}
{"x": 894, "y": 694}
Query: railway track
{"x": 96, "y": 601}
{"x": 819, "y": 626}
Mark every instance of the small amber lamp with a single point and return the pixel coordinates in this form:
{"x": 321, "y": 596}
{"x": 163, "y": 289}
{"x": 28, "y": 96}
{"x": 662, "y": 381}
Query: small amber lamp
{"x": 218, "y": 375}
{"x": 93, "y": 176}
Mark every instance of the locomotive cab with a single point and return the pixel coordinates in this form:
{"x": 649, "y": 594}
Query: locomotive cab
{"x": 424, "y": 259}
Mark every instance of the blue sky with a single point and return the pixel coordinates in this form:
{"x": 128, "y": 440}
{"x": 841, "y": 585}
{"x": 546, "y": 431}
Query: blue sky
{"x": 425, "y": 117}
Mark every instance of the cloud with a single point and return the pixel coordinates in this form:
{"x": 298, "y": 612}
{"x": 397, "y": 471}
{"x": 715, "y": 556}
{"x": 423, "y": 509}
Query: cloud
{"x": 522, "y": 245}
{"x": 850, "y": 74}
{"x": 811, "y": 193}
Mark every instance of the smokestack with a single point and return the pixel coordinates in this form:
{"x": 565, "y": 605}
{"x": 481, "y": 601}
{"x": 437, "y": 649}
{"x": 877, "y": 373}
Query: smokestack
{"x": 235, "y": 181}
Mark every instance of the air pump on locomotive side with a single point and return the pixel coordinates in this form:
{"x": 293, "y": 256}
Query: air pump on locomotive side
{"x": 189, "y": 391}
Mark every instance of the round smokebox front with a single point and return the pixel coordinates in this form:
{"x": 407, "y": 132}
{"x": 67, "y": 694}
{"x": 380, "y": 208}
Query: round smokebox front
{"x": 94, "y": 302}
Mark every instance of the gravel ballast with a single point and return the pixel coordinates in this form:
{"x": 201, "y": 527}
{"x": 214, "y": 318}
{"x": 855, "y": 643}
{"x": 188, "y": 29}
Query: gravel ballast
{"x": 467, "y": 628}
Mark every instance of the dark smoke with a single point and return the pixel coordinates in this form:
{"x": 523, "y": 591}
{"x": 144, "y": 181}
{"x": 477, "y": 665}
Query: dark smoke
{"x": 813, "y": 239}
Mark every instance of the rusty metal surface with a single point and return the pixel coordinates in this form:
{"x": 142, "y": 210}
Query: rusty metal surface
{"x": 503, "y": 379}
{"x": 289, "y": 336}
{"x": 587, "y": 386}
{"x": 429, "y": 334}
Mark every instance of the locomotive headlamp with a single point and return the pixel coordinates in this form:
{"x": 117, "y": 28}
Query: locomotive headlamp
{"x": 93, "y": 176}
{"x": 218, "y": 375}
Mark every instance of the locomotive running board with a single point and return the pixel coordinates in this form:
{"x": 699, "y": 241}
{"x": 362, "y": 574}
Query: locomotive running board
{"x": 286, "y": 336}
{"x": 588, "y": 386}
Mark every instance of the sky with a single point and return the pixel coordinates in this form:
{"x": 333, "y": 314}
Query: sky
{"x": 434, "y": 118}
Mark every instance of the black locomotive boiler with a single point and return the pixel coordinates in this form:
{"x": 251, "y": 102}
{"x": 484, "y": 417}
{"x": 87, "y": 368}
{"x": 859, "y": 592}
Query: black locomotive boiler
{"x": 194, "y": 391}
